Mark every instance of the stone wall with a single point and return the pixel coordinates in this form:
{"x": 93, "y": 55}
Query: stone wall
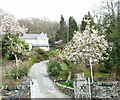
{"x": 66, "y": 90}
{"x": 96, "y": 90}
{"x": 17, "y": 91}
{"x": 105, "y": 89}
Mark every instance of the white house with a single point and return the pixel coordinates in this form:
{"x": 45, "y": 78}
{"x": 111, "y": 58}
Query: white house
{"x": 37, "y": 40}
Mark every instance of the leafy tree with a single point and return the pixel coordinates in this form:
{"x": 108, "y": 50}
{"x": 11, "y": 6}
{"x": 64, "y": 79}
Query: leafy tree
{"x": 84, "y": 23}
{"x": 11, "y": 43}
{"x": 72, "y": 27}
{"x": 87, "y": 46}
{"x": 62, "y": 31}
{"x": 10, "y": 25}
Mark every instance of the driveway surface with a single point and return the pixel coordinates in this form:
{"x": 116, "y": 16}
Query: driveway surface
{"x": 41, "y": 85}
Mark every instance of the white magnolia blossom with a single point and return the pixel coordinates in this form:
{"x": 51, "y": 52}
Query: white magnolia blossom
{"x": 10, "y": 25}
{"x": 85, "y": 45}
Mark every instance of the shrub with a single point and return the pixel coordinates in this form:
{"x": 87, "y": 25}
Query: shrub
{"x": 41, "y": 52}
{"x": 52, "y": 53}
{"x": 105, "y": 66}
{"x": 63, "y": 75}
{"x": 54, "y": 68}
{"x": 20, "y": 71}
{"x": 37, "y": 55}
{"x": 13, "y": 73}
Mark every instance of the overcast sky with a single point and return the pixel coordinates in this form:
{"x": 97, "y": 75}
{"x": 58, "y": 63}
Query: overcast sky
{"x": 51, "y": 9}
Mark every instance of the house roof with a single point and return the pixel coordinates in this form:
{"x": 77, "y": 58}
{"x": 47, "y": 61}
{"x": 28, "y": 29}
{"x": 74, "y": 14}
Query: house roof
{"x": 30, "y": 36}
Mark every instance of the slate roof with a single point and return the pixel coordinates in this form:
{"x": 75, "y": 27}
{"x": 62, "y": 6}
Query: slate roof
{"x": 30, "y": 36}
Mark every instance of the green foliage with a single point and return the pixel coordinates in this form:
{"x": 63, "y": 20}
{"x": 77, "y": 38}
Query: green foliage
{"x": 72, "y": 27}
{"x": 62, "y": 31}
{"x": 84, "y": 23}
{"x": 6, "y": 75}
{"x": 22, "y": 71}
{"x": 13, "y": 73}
{"x": 69, "y": 84}
{"x": 54, "y": 68}
{"x": 110, "y": 25}
{"x": 63, "y": 75}
{"x": 12, "y": 46}
{"x": 43, "y": 55}
{"x": 105, "y": 65}
{"x": 52, "y": 53}
{"x": 64, "y": 66}
{"x": 19, "y": 71}
{"x": 37, "y": 55}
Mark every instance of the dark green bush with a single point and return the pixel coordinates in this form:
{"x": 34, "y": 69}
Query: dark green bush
{"x": 105, "y": 65}
{"x": 41, "y": 52}
{"x": 37, "y": 55}
{"x": 54, "y": 68}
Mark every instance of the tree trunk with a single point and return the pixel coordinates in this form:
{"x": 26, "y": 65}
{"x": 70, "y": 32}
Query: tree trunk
{"x": 68, "y": 63}
{"x": 16, "y": 62}
{"x": 117, "y": 70}
{"x": 69, "y": 76}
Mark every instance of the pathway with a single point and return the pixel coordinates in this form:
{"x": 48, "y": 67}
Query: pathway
{"x": 41, "y": 85}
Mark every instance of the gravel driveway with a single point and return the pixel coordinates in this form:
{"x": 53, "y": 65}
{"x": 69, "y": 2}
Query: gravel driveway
{"x": 41, "y": 85}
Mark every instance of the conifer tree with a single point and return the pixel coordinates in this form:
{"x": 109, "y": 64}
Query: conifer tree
{"x": 62, "y": 31}
{"x": 83, "y": 23}
{"x": 72, "y": 27}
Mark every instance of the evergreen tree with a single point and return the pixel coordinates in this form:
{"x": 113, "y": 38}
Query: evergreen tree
{"x": 83, "y": 23}
{"x": 112, "y": 29}
{"x": 62, "y": 31}
{"x": 109, "y": 23}
{"x": 72, "y": 27}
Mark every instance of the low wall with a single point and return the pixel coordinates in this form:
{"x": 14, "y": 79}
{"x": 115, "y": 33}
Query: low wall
{"x": 99, "y": 90}
{"x": 17, "y": 91}
{"x": 105, "y": 89}
{"x": 66, "y": 90}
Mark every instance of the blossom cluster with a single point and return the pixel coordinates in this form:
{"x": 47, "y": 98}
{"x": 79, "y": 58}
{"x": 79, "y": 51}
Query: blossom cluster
{"x": 10, "y": 25}
{"x": 85, "y": 45}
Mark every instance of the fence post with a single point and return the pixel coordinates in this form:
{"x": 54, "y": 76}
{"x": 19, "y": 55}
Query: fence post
{"x": 81, "y": 87}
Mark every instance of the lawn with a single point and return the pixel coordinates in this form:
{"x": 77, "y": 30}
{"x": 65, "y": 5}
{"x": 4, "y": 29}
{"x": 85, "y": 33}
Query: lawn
{"x": 69, "y": 84}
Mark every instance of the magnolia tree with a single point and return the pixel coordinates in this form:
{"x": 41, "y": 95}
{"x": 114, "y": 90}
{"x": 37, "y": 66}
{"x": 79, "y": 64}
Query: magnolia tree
{"x": 85, "y": 46}
{"x": 9, "y": 25}
{"x": 11, "y": 44}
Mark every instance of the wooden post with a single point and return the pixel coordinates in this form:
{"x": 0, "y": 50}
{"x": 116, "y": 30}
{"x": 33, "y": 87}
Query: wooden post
{"x": 91, "y": 71}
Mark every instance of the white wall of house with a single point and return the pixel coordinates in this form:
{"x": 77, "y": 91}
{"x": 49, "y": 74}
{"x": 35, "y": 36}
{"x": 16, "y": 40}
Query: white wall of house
{"x": 31, "y": 41}
{"x": 42, "y": 41}
{"x": 45, "y": 48}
